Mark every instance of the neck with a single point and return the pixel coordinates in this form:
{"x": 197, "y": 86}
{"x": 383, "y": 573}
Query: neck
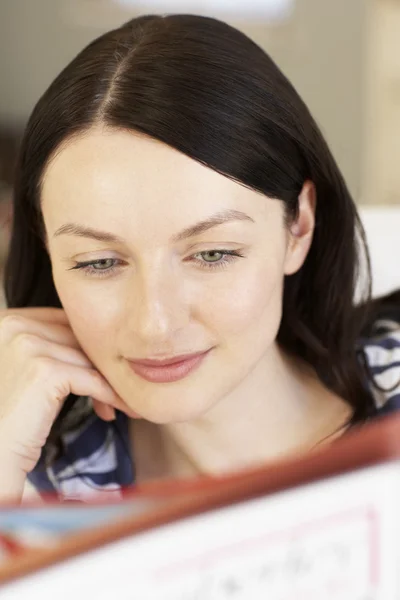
{"x": 279, "y": 409}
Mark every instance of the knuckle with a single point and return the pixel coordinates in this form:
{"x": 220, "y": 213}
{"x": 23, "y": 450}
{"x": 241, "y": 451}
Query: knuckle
{"x": 43, "y": 367}
{"x": 97, "y": 377}
{"x": 99, "y": 382}
{"x": 9, "y": 324}
{"x": 26, "y": 342}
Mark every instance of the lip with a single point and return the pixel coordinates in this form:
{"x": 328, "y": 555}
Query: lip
{"x": 156, "y": 362}
{"x": 168, "y": 370}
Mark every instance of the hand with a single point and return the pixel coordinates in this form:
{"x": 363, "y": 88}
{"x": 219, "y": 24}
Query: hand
{"x": 41, "y": 363}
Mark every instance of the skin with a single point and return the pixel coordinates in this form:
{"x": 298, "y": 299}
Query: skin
{"x": 247, "y": 401}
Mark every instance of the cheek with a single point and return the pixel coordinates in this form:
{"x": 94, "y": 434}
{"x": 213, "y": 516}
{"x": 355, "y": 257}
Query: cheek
{"x": 250, "y": 304}
{"x": 91, "y": 317}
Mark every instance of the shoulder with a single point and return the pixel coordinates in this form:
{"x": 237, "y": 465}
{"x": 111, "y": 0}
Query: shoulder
{"x": 381, "y": 352}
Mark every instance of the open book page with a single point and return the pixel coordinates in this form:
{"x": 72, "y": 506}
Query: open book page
{"x": 48, "y": 523}
{"x": 326, "y": 540}
{"x": 323, "y": 525}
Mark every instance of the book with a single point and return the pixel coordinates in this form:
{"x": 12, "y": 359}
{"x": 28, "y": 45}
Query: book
{"x": 323, "y": 526}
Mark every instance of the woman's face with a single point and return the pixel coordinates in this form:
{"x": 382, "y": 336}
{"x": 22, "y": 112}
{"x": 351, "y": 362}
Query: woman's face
{"x": 160, "y": 284}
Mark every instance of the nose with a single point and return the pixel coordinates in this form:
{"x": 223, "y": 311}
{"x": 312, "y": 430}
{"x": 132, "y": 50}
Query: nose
{"x": 159, "y": 308}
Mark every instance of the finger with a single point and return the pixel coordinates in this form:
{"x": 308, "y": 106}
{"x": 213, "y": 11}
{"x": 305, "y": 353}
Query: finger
{"x": 104, "y": 411}
{"x": 107, "y": 413}
{"x": 14, "y": 325}
{"x": 82, "y": 381}
{"x": 41, "y": 313}
{"x": 33, "y": 346}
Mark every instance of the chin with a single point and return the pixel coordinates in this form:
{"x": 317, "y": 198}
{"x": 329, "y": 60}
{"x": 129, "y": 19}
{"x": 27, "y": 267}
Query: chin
{"x": 163, "y": 412}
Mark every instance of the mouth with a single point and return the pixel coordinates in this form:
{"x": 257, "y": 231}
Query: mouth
{"x": 169, "y": 370}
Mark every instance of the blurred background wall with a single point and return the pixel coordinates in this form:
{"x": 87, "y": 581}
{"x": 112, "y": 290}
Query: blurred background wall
{"x": 320, "y": 47}
{"x": 343, "y": 56}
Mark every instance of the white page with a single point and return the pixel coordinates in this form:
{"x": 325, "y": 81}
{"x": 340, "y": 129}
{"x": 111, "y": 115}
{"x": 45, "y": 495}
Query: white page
{"x": 332, "y": 539}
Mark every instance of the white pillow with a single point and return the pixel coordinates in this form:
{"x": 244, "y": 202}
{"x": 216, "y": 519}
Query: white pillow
{"x": 382, "y": 227}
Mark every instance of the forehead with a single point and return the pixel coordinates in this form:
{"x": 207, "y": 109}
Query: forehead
{"x": 111, "y": 177}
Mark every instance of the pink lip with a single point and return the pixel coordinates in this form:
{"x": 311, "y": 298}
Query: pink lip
{"x": 166, "y": 371}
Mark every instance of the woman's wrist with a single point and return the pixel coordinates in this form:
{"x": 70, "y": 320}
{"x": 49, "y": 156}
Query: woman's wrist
{"x": 12, "y": 478}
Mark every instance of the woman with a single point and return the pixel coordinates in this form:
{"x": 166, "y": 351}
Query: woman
{"x": 181, "y": 273}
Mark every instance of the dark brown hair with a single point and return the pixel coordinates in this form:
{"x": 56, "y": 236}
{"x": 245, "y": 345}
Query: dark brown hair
{"x": 205, "y": 89}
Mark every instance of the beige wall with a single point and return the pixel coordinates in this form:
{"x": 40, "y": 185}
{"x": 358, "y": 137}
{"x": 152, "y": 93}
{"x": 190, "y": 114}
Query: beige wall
{"x": 320, "y": 49}
{"x": 322, "y": 52}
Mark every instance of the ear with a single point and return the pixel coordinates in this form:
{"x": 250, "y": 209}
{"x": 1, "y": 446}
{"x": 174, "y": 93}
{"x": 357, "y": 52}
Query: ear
{"x": 301, "y": 230}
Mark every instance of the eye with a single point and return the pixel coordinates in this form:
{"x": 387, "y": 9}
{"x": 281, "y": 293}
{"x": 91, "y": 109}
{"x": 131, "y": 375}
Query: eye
{"x": 212, "y": 255}
{"x": 103, "y": 264}
{"x": 216, "y": 259}
{"x": 98, "y": 268}
{"x": 208, "y": 260}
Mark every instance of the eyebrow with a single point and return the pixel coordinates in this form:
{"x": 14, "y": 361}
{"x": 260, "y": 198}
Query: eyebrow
{"x": 196, "y": 229}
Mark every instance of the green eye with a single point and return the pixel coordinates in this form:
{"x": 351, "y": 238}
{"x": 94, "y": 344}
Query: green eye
{"x": 103, "y": 264}
{"x": 216, "y": 259}
{"x": 213, "y": 256}
{"x": 100, "y": 268}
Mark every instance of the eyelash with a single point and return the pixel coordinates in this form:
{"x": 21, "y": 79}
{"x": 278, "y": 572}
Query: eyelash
{"x": 87, "y": 267}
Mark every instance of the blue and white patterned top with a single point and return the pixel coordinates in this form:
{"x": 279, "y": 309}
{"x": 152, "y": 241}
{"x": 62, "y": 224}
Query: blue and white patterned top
{"x": 97, "y": 457}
